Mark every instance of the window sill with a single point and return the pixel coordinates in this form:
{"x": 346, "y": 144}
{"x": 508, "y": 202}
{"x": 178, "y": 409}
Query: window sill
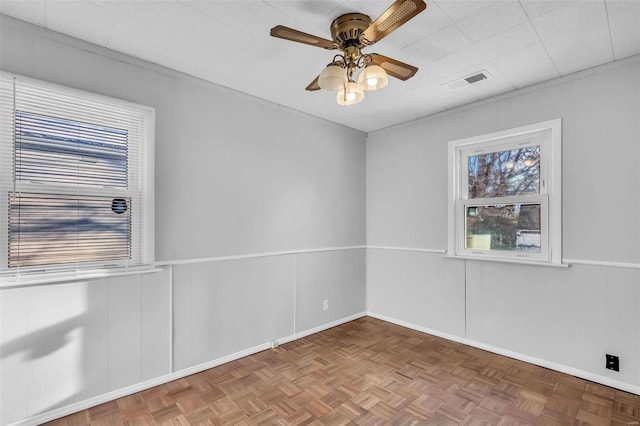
{"x": 43, "y": 278}
{"x": 504, "y": 260}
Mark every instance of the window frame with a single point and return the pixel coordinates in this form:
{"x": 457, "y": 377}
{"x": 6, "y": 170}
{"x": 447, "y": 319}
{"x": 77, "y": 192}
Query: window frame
{"x": 142, "y": 191}
{"x": 549, "y": 196}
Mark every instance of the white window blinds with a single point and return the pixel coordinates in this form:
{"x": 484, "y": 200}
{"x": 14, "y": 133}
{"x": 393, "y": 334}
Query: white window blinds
{"x": 75, "y": 176}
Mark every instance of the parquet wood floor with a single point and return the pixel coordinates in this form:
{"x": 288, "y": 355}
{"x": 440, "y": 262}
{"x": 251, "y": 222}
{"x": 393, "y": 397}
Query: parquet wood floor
{"x": 370, "y": 372}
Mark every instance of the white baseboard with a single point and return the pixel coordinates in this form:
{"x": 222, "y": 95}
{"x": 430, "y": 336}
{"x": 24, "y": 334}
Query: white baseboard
{"x": 138, "y": 387}
{"x": 627, "y": 387}
{"x": 323, "y": 327}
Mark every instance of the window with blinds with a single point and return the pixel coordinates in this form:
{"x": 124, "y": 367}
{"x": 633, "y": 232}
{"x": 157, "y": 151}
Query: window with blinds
{"x": 75, "y": 176}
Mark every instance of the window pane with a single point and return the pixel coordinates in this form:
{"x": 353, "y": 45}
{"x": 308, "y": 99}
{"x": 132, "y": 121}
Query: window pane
{"x": 504, "y": 173}
{"x": 512, "y": 227}
{"x": 56, "y": 229}
{"x": 53, "y": 150}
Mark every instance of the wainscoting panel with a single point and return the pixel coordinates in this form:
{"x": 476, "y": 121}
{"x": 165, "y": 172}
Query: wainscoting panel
{"x": 335, "y": 276}
{"x": 420, "y": 288}
{"x": 53, "y": 345}
{"x": 13, "y": 345}
{"x": 156, "y": 324}
{"x": 92, "y": 300}
{"x": 125, "y": 334}
{"x": 224, "y": 307}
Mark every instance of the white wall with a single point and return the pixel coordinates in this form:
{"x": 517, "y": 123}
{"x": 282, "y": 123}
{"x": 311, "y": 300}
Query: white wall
{"x": 235, "y": 176}
{"x": 565, "y": 318}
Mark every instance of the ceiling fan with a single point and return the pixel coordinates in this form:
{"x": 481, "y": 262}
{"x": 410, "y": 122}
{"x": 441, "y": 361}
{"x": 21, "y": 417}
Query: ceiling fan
{"x": 351, "y": 33}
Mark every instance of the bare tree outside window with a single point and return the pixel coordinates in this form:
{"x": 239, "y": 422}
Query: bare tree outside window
{"x": 504, "y": 173}
{"x": 504, "y": 226}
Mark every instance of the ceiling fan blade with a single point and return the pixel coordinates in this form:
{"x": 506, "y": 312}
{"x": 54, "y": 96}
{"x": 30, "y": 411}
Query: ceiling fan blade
{"x": 393, "y": 67}
{"x": 313, "y": 85}
{"x": 295, "y": 35}
{"x": 396, "y": 15}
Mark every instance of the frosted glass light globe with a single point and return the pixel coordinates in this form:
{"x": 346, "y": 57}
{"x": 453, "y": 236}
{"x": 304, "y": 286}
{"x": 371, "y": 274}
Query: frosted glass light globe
{"x": 373, "y": 77}
{"x": 350, "y": 94}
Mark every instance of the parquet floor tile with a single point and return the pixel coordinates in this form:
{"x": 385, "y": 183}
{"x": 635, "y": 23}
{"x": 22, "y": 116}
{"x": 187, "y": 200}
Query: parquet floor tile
{"x": 369, "y": 372}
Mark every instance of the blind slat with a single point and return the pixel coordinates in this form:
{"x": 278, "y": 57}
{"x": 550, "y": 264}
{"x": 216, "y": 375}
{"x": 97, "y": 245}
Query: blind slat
{"x": 66, "y": 229}
{"x": 49, "y": 149}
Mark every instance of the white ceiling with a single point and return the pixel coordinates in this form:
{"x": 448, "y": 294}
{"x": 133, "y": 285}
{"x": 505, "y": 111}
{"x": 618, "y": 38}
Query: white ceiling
{"x": 519, "y": 43}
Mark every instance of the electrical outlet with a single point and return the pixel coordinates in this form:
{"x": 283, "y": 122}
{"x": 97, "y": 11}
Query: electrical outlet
{"x": 613, "y": 362}
{"x": 325, "y": 305}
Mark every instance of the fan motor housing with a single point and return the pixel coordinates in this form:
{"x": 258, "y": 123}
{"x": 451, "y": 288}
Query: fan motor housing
{"x": 346, "y": 29}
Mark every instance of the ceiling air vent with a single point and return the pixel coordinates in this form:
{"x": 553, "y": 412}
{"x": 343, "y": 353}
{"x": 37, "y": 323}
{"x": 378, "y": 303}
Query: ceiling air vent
{"x": 468, "y": 80}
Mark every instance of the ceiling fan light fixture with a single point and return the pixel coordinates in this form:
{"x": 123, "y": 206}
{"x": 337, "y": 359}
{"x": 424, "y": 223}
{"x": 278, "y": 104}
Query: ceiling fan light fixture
{"x": 350, "y": 33}
{"x": 350, "y": 94}
{"x": 333, "y": 77}
{"x": 373, "y": 77}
